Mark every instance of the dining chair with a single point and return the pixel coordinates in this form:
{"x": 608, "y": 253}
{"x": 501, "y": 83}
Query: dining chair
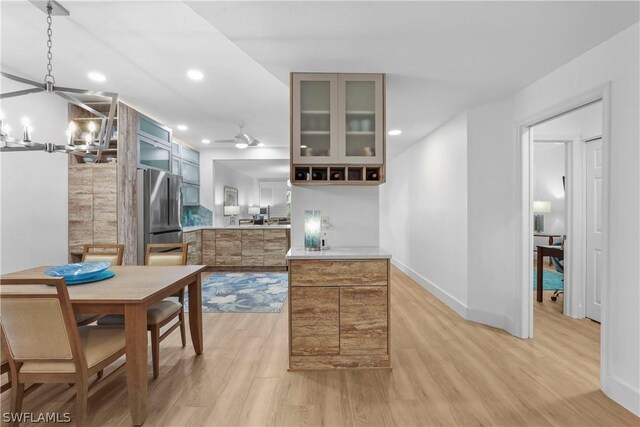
{"x": 112, "y": 253}
{"x": 163, "y": 312}
{"x": 4, "y": 365}
{"x": 44, "y": 344}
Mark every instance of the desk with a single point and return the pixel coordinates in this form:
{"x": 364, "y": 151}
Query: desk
{"x": 550, "y": 251}
{"x": 130, "y": 292}
{"x": 550, "y": 237}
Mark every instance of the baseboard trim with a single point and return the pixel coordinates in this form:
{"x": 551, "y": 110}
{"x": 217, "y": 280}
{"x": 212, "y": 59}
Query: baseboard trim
{"x": 622, "y": 393}
{"x": 438, "y": 292}
{"x": 493, "y": 320}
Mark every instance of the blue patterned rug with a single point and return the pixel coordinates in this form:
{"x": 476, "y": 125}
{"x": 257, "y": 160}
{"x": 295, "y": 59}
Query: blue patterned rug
{"x": 243, "y": 293}
{"x": 551, "y": 280}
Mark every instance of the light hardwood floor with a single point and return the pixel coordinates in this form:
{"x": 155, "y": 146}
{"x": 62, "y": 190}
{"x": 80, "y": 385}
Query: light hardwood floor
{"x": 446, "y": 371}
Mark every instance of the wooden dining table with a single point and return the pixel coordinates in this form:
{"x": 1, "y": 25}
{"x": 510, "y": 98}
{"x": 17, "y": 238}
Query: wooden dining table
{"x": 130, "y": 292}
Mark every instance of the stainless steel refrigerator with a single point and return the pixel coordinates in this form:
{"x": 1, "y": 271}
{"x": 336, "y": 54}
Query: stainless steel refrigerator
{"x": 159, "y": 209}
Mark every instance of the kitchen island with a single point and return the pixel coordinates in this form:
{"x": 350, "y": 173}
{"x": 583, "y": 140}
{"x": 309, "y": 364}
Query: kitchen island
{"x": 339, "y": 308}
{"x": 238, "y": 248}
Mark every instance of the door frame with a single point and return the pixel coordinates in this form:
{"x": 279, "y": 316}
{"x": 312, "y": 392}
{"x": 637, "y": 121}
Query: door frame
{"x": 525, "y": 146}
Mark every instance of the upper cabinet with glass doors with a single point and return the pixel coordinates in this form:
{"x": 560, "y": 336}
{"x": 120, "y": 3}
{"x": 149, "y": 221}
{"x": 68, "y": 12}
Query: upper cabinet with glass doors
{"x": 338, "y": 120}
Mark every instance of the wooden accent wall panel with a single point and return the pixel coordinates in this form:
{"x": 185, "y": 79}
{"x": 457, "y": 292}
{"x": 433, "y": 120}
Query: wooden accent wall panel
{"x": 315, "y": 321}
{"x": 194, "y": 254}
{"x": 209, "y": 247}
{"x": 127, "y": 204}
{"x": 363, "y": 320}
{"x": 339, "y": 273}
{"x": 228, "y": 247}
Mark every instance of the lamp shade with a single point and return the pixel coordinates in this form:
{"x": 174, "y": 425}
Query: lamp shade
{"x": 231, "y": 210}
{"x": 541, "y": 207}
{"x": 312, "y": 230}
{"x": 254, "y": 210}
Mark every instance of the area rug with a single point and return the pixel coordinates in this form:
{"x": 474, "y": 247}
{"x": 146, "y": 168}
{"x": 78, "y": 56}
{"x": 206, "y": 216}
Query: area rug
{"x": 244, "y": 293}
{"x": 551, "y": 280}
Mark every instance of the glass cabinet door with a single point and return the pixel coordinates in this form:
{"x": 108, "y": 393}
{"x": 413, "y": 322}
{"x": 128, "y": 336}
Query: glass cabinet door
{"x": 153, "y": 155}
{"x": 175, "y": 166}
{"x": 190, "y": 172}
{"x": 190, "y": 195}
{"x": 361, "y": 133}
{"x": 315, "y": 100}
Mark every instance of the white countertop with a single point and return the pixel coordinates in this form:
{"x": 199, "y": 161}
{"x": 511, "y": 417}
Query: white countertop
{"x": 235, "y": 227}
{"x": 361, "y": 252}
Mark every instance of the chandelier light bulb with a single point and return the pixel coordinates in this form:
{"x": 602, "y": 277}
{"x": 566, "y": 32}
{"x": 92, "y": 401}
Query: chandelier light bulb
{"x": 92, "y": 127}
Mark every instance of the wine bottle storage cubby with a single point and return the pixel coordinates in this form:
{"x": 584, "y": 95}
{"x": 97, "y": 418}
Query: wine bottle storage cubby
{"x": 339, "y": 174}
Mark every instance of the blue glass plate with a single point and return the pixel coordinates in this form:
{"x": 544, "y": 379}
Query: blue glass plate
{"x": 103, "y": 275}
{"x": 79, "y": 270}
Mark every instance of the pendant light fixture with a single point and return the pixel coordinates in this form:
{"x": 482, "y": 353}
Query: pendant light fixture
{"x": 97, "y": 139}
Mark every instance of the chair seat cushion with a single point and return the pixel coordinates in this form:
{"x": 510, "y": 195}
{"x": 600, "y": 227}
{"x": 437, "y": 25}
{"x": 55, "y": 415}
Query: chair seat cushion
{"x": 98, "y": 343}
{"x": 156, "y": 313}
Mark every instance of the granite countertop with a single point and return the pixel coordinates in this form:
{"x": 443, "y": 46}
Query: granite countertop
{"x": 362, "y": 252}
{"x": 235, "y": 227}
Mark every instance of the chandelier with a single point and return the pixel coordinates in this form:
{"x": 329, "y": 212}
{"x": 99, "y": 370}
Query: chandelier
{"x": 92, "y": 143}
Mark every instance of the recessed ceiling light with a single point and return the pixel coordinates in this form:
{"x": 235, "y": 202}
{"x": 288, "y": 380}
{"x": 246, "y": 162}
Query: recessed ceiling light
{"x": 96, "y": 76}
{"x": 195, "y": 75}
{"x": 303, "y": 146}
{"x": 182, "y": 127}
{"x": 206, "y": 141}
{"x": 395, "y": 132}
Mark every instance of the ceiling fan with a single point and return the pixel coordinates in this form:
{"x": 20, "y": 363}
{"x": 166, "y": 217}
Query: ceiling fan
{"x": 242, "y": 140}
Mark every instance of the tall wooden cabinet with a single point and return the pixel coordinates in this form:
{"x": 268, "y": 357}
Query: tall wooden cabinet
{"x": 93, "y": 214}
{"x": 337, "y": 128}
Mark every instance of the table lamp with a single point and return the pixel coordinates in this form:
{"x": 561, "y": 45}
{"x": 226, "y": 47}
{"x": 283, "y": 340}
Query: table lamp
{"x": 255, "y": 211}
{"x": 312, "y": 230}
{"x": 540, "y": 208}
{"x": 232, "y": 211}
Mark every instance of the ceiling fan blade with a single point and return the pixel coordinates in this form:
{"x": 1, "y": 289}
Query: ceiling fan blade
{"x": 225, "y": 141}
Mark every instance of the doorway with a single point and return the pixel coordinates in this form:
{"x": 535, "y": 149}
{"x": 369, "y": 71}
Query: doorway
{"x": 581, "y": 130}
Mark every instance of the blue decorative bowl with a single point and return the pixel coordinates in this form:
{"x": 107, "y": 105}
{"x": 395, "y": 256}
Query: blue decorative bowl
{"x": 78, "y": 271}
{"x": 103, "y": 275}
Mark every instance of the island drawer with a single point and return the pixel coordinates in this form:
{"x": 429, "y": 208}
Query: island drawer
{"x": 339, "y": 273}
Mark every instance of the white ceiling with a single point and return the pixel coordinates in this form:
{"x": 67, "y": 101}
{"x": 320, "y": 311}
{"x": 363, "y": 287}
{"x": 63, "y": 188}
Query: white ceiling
{"x": 145, "y": 50}
{"x": 259, "y": 169}
{"x": 440, "y": 57}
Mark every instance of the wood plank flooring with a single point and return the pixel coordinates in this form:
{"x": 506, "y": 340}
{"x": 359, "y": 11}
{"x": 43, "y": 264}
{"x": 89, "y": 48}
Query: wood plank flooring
{"x": 446, "y": 371}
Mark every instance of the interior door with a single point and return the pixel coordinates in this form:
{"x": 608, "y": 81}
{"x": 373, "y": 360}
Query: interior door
{"x": 594, "y": 237}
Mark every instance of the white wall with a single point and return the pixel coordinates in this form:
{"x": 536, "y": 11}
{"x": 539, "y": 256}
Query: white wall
{"x": 495, "y": 202}
{"x": 352, "y": 211}
{"x": 247, "y": 192}
{"x": 548, "y": 170}
{"x": 423, "y": 212}
{"x": 33, "y": 186}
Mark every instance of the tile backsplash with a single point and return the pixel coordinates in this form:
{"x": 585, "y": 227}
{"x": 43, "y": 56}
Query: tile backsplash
{"x": 196, "y": 215}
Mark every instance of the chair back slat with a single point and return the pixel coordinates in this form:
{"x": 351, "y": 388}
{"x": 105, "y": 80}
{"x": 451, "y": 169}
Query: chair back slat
{"x": 38, "y": 322}
{"x": 103, "y": 252}
{"x": 166, "y": 254}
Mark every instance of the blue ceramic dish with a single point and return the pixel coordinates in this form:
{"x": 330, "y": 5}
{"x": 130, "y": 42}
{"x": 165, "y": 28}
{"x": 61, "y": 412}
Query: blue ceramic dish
{"x": 78, "y": 271}
{"x": 103, "y": 275}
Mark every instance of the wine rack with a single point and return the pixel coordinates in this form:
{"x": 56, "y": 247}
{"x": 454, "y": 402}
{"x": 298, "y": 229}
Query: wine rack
{"x": 338, "y": 174}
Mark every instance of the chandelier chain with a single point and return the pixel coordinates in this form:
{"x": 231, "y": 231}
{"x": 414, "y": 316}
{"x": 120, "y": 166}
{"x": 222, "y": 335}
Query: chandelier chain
{"x": 49, "y": 77}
